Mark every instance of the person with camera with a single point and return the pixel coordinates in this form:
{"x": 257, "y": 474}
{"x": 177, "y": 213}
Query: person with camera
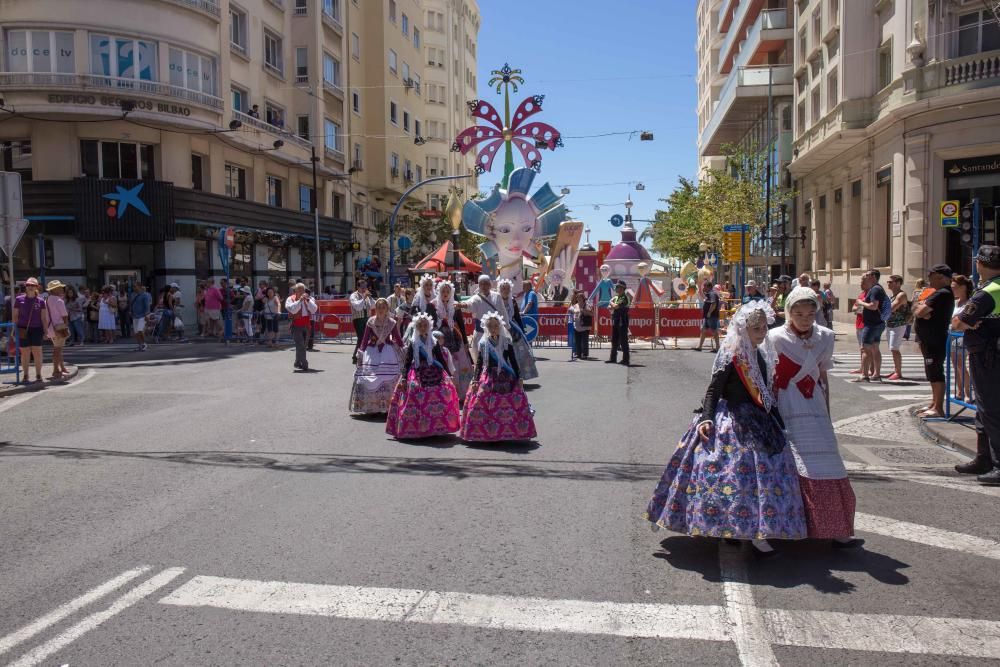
{"x": 583, "y": 322}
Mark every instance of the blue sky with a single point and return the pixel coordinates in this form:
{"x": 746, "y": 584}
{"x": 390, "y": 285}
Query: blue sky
{"x": 603, "y": 67}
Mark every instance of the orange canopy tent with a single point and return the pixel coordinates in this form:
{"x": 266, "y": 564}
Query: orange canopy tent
{"x": 442, "y": 261}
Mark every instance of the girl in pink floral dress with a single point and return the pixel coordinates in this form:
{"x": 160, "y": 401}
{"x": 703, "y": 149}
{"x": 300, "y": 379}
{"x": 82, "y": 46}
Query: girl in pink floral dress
{"x": 496, "y": 407}
{"x": 424, "y": 402}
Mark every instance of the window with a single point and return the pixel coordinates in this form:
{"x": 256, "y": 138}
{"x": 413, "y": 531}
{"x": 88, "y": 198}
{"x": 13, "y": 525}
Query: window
{"x": 832, "y": 90}
{"x": 393, "y": 113}
{"x": 48, "y": 51}
{"x": 406, "y": 25}
{"x": 272, "y": 52}
{"x": 112, "y": 159}
{"x": 834, "y": 12}
{"x": 416, "y": 83}
{"x": 16, "y": 156}
{"x": 406, "y": 72}
{"x": 301, "y": 7}
{"x": 832, "y": 49}
{"x": 241, "y": 99}
{"x": 885, "y": 64}
{"x": 355, "y": 46}
{"x": 407, "y": 170}
{"x": 435, "y": 21}
{"x": 883, "y": 217}
{"x": 416, "y": 37}
{"x": 277, "y": 260}
{"x": 301, "y": 64}
{"x": 202, "y": 259}
{"x": 331, "y": 70}
{"x": 274, "y": 115}
{"x": 437, "y": 166}
{"x": 356, "y": 101}
{"x": 331, "y": 135}
{"x": 417, "y": 127}
{"x": 817, "y": 24}
{"x": 236, "y": 181}
{"x": 238, "y": 29}
{"x": 392, "y": 10}
{"x": 406, "y": 121}
{"x": 357, "y": 161}
{"x": 302, "y": 127}
{"x": 803, "y": 46}
{"x": 394, "y": 164}
{"x": 273, "y": 185}
{"x": 197, "y": 172}
{"x": 123, "y": 57}
{"x": 815, "y": 107}
{"x": 305, "y": 198}
{"x": 977, "y": 32}
{"x": 800, "y": 117}
{"x": 419, "y": 173}
{"x": 192, "y": 71}
{"x": 393, "y": 65}
{"x": 357, "y": 214}
{"x": 332, "y": 9}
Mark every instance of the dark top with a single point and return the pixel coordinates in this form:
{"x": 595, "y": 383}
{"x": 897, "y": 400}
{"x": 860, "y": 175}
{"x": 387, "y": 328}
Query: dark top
{"x": 726, "y": 383}
{"x": 492, "y": 366}
{"x": 408, "y": 359}
{"x": 429, "y": 309}
{"x": 934, "y": 330}
{"x": 560, "y": 294}
{"x": 516, "y": 315}
{"x": 978, "y": 310}
{"x": 877, "y": 295}
{"x": 710, "y": 307}
{"x": 459, "y": 324}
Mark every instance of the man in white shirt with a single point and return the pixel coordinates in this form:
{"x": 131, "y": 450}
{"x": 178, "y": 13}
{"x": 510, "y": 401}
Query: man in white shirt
{"x": 482, "y": 302}
{"x": 362, "y": 306}
{"x": 300, "y": 307}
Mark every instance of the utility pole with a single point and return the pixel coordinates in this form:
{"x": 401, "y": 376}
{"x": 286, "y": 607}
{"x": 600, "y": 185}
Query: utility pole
{"x": 767, "y": 182}
{"x": 315, "y": 211}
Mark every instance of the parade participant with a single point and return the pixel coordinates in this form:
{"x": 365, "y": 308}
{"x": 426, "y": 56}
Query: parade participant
{"x": 604, "y": 290}
{"x": 529, "y": 300}
{"x": 805, "y": 354}
{"x": 619, "y": 305}
{"x": 423, "y": 302}
{"x": 378, "y": 363}
{"x": 980, "y": 320}
{"x": 300, "y": 307}
{"x": 424, "y": 401}
{"x": 496, "y": 408}
{"x": 361, "y": 306}
{"x": 732, "y": 475}
{"x": 522, "y": 348}
{"x": 451, "y": 325}
{"x": 32, "y": 320}
{"x": 482, "y": 302}
{"x": 449, "y": 364}
{"x": 404, "y": 309}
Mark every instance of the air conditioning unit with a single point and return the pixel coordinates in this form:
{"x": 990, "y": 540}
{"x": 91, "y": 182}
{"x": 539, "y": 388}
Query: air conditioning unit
{"x": 394, "y": 172}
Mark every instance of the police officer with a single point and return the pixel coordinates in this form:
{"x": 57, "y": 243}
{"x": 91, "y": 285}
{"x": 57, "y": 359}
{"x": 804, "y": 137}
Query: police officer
{"x": 980, "y": 320}
{"x": 619, "y": 305}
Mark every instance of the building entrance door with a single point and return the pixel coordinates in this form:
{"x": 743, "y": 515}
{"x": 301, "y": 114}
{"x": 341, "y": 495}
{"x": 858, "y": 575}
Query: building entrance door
{"x": 124, "y": 280}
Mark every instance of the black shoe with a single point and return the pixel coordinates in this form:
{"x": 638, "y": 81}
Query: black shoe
{"x": 625, "y": 363}
{"x": 976, "y": 466}
{"x": 304, "y": 367}
{"x": 992, "y": 478}
{"x": 297, "y": 365}
{"x": 853, "y": 543}
{"x": 611, "y": 361}
{"x": 354, "y": 359}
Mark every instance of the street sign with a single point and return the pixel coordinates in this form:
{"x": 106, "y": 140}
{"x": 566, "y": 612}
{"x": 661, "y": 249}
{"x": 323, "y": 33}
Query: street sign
{"x": 10, "y": 233}
{"x": 430, "y": 213}
{"x": 617, "y": 220}
{"x": 949, "y": 213}
{"x": 12, "y": 222}
{"x": 530, "y": 327}
{"x": 230, "y": 237}
{"x": 736, "y": 228}
{"x": 713, "y": 259}
{"x": 404, "y": 243}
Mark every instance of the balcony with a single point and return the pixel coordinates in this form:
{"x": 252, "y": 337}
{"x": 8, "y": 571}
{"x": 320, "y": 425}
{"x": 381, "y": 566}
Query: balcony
{"x": 274, "y": 130}
{"x": 955, "y": 75}
{"x": 333, "y": 89}
{"x": 746, "y": 12}
{"x": 742, "y": 100}
{"x": 334, "y": 154}
{"x": 210, "y": 7}
{"x": 95, "y": 84}
{"x": 769, "y": 33}
{"x": 726, "y": 14}
{"x": 333, "y": 22}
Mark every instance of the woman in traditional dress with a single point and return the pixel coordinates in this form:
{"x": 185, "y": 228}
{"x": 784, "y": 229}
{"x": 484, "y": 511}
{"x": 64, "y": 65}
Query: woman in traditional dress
{"x": 451, "y": 324}
{"x": 732, "y": 475}
{"x": 378, "y": 363}
{"x": 522, "y": 348}
{"x": 496, "y": 407}
{"x": 423, "y": 302}
{"x": 424, "y": 401}
{"x": 805, "y": 354}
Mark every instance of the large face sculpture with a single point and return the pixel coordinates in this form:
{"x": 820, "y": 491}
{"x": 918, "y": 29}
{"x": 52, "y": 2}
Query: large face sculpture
{"x": 514, "y": 228}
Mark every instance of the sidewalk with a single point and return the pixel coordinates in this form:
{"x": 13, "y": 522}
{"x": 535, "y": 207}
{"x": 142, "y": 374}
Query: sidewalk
{"x": 959, "y": 433}
{"x": 14, "y": 389}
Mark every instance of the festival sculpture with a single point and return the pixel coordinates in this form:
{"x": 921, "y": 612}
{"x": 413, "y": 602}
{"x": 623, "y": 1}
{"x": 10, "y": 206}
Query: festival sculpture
{"x": 605, "y": 289}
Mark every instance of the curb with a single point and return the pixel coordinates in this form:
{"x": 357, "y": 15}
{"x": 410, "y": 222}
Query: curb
{"x": 928, "y": 430}
{"x": 24, "y": 388}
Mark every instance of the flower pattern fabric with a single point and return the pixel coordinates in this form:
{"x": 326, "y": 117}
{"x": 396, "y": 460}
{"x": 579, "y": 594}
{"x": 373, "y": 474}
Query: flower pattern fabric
{"x": 424, "y": 405}
{"x": 497, "y": 409}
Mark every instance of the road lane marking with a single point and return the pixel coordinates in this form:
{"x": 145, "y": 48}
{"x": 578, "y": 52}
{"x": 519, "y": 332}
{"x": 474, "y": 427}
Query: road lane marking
{"x": 967, "y": 485}
{"x": 903, "y": 397}
{"x": 500, "y": 612}
{"x": 886, "y": 386}
{"x": 884, "y": 633}
{"x": 746, "y": 623}
{"x": 59, "y": 613}
{"x": 920, "y": 534}
{"x": 71, "y": 634}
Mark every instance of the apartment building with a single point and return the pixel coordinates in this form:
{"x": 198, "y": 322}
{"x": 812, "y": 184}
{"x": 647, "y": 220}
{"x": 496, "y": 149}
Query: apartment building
{"x": 142, "y": 127}
{"x": 895, "y": 111}
{"x": 745, "y": 90}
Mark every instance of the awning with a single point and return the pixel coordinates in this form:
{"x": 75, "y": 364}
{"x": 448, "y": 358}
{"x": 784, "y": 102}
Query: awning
{"x": 442, "y": 260}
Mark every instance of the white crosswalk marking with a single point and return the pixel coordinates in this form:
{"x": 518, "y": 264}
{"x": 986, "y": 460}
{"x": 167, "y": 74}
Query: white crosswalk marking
{"x": 913, "y": 386}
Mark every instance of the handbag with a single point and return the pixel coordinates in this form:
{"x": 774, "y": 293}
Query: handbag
{"x": 586, "y": 320}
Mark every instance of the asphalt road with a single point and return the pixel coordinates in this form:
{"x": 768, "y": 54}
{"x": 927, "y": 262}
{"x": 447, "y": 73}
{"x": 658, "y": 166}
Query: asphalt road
{"x": 198, "y": 505}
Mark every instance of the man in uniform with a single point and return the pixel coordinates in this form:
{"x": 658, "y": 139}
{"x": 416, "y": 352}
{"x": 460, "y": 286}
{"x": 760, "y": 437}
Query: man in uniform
{"x": 980, "y": 320}
{"x": 619, "y": 305}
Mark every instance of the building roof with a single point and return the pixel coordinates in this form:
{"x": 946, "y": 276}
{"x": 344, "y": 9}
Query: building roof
{"x": 629, "y": 249}
{"x": 441, "y": 260}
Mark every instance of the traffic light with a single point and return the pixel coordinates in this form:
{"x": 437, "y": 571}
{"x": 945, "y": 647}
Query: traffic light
{"x": 965, "y": 226}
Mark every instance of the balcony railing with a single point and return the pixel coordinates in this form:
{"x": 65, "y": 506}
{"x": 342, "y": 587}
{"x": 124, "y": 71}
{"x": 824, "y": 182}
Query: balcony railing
{"x": 207, "y": 6}
{"x": 333, "y": 22}
{"x": 735, "y": 33}
{"x": 756, "y": 77}
{"x": 968, "y": 69}
{"x": 263, "y": 126}
{"x": 104, "y": 84}
{"x": 769, "y": 19}
{"x": 334, "y": 154}
{"x": 333, "y": 89}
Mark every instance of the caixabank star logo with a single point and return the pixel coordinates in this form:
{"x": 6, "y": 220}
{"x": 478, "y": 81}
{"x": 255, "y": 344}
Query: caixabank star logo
{"x": 122, "y": 198}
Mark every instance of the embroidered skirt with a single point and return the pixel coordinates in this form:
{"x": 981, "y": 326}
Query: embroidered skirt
{"x": 525, "y": 359}
{"x": 424, "y": 405}
{"x": 497, "y": 409}
{"x": 830, "y": 505}
{"x": 730, "y": 486}
{"x": 374, "y": 380}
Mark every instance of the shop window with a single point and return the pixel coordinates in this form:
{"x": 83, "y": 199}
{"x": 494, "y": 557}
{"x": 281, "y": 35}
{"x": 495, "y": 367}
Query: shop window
{"x": 273, "y": 184}
{"x": 123, "y": 57}
{"x": 305, "y": 198}
{"x": 113, "y": 159}
{"x": 192, "y": 71}
{"x": 307, "y": 257}
{"x": 236, "y": 181}
{"x": 197, "y": 172}
{"x": 977, "y": 32}
{"x": 202, "y": 259}
{"x": 16, "y": 156}
{"x": 26, "y": 256}
{"x": 854, "y": 226}
{"x": 882, "y": 231}
{"x": 241, "y": 263}
{"x": 40, "y": 51}
{"x": 277, "y": 259}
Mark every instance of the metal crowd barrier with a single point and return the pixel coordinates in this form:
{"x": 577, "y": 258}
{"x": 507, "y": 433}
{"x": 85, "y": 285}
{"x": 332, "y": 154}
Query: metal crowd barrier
{"x": 10, "y": 354}
{"x": 959, "y": 389}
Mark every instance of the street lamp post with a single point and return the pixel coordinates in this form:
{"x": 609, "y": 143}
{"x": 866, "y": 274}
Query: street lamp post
{"x": 318, "y": 259}
{"x": 395, "y": 212}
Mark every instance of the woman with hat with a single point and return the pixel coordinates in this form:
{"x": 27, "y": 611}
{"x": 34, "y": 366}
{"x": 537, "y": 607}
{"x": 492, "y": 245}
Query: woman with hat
{"x": 801, "y": 386}
{"x": 732, "y": 475}
{"x": 58, "y": 329}
{"x": 32, "y": 321}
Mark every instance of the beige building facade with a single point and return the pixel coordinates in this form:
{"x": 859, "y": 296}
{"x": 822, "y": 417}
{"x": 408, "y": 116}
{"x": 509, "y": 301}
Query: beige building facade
{"x": 895, "y": 112}
{"x": 216, "y": 109}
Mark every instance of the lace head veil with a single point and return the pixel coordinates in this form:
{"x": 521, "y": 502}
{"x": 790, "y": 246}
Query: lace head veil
{"x": 738, "y": 346}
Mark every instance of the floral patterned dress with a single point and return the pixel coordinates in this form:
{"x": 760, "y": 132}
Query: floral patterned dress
{"x": 424, "y": 402}
{"x": 496, "y": 408}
